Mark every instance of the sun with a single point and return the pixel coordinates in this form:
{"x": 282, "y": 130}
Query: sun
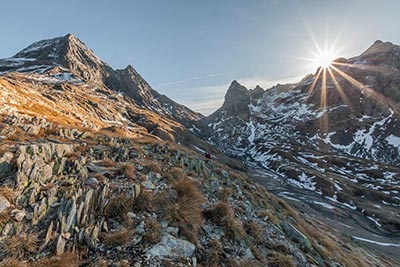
{"x": 324, "y": 59}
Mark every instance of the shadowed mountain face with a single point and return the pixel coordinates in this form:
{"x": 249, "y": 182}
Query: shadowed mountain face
{"x": 335, "y": 133}
{"x": 68, "y": 55}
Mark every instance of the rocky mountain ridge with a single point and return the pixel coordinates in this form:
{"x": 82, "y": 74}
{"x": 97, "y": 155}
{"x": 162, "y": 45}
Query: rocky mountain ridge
{"x": 94, "y": 176}
{"x": 68, "y": 57}
{"x": 336, "y": 133}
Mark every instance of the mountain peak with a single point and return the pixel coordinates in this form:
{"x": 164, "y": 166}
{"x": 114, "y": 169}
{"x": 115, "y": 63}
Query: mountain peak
{"x": 68, "y": 52}
{"x": 380, "y": 47}
{"x": 237, "y": 99}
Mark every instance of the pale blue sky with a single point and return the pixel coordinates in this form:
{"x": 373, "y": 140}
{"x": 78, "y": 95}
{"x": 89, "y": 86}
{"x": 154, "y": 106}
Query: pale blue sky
{"x": 191, "y": 50}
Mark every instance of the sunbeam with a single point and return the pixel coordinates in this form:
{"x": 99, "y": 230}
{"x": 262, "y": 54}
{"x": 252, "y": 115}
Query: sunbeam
{"x": 370, "y": 92}
{"x": 340, "y": 90}
{"x": 312, "y": 86}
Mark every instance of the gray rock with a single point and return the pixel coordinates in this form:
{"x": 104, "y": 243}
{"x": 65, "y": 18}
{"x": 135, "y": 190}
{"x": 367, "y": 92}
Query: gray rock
{"x": 172, "y": 247}
{"x": 60, "y": 245}
{"x": 139, "y": 167}
{"x": 295, "y": 234}
{"x": 92, "y": 182}
{"x": 18, "y": 215}
{"x": 148, "y": 185}
{"x": 140, "y": 228}
{"x": 4, "y": 203}
{"x": 5, "y": 164}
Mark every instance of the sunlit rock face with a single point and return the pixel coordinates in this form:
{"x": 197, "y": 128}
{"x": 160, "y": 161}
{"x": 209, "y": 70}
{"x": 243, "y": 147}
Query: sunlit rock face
{"x": 68, "y": 59}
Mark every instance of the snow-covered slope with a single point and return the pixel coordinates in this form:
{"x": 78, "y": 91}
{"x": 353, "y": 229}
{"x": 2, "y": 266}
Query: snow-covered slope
{"x": 346, "y": 150}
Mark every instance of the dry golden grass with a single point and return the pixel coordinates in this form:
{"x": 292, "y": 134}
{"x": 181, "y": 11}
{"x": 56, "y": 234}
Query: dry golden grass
{"x": 256, "y": 231}
{"x": 128, "y": 170}
{"x": 118, "y": 207}
{"x": 11, "y": 262}
{"x": 5, "y": 217}
{"x": 108, "y": 163}
{"x": 153, "y": 232}
{"x": 152, "y": 166}
{"x": 223, "y": 215}
{"x": 99, "y": 263}
{"x": 8, "y": 193}
{"x": 174, "y": 174}
{"x": 73, "y": 155}
{"x": 4, "y": 148}
{"x": 146, "y": 140}
{"x": 144, "y": 202}
{"x": 225, "y": 193}
{"x": 118, "y": 238}
{"x": 257, "y": 254}
{"x": 184, "y": 211}
{"x": 19, "y": 246}
{"x": 269, "y": 214}
{"x": 123, "y": 263}
{"x": 213, "y": 257}
{"x": 68, "y": 259}
{"x": 18, "y": 135}
{"x": 280, "y": 260}
{"x": 243, "y": 263}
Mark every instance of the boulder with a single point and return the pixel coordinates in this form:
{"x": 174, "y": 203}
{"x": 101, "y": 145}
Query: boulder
{"x": 172, "y": 247}
{"x": 296, "y": 235}
{"x": 4, "y": 203}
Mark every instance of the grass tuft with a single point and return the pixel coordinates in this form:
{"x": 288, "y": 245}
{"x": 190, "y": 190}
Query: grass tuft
{"x": 223, "y": 215}
{"x": 183, "y": 209}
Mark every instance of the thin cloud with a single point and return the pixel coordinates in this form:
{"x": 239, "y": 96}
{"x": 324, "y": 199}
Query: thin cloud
{"x": 252, "y": 82}
{"x": 190, "y": 79}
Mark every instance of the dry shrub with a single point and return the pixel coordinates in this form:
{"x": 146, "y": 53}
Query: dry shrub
{"x": 68, "y": 259}
{"x": 108, "y": 163}
{"x": 119, "y": 207}
{"x": 214, "y": 254}
{"x": 128, "y": 170}
{"x": 3, "y": 149}
{"x": 152, "y": 166}
{"x": 100, "y": 177}
{"x": 257, "y": 254}
{"x": 5, "y": 216}
{"x": 223, "y": 215}
{"x": 123, "y": 263}
{"x": 146, "y": 140}
{"x": 73, "y": 155}
{"x": 11, "y": 262}
{"x": 117, "y": 238}
{"x": 247, "y": 263}
{"x": 8, "y": 193}
{"x": 19, "y": 246}
{"x": 144, "y": 202}
{"x": 255, "y": 230}
{"x": 183, "y": 210}
{"x": 280, "y": 260}
{"x": 174, "y": 174}
{"x": 267, "y": 213}
{"x": 98, "y": 263}
{"x": 153, "y": 232}
{"x": 225, "y": 193}
{"x": 18, "y": 135}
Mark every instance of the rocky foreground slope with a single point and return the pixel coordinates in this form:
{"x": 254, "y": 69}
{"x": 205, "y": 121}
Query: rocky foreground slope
{"x": 74, "y": 197}
{"x": 93, "y": 176}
